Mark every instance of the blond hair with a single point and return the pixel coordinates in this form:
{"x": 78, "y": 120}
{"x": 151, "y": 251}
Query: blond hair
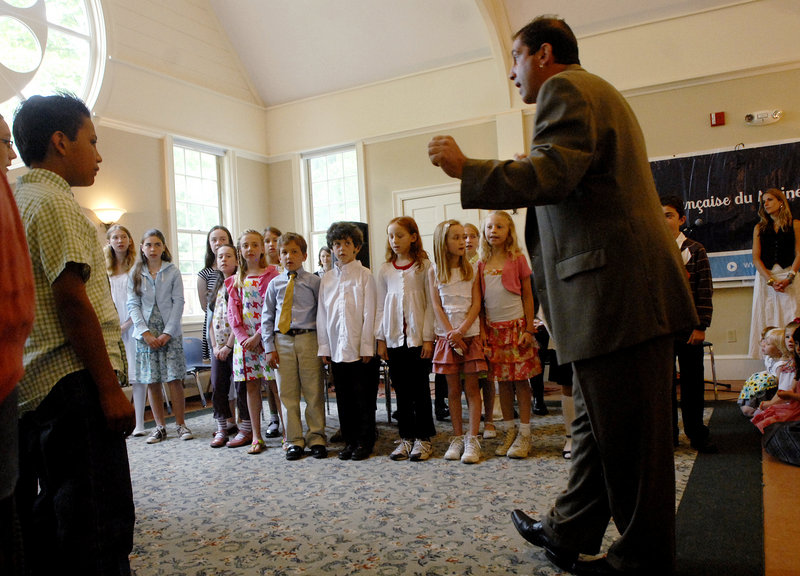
{"x": 440, "y": 253}
{"x": 776, "y": 338}
{"x": 784, "y": 216}
{"x": 511, "y": 246}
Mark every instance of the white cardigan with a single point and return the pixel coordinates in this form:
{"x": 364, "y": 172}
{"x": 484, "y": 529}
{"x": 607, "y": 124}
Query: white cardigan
{"x": 404, "y": 294}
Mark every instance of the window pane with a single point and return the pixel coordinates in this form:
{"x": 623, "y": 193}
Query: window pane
{"x": 193, "y": 163}
{"x": 353, "y": 213}
{"x": 181, "y": 214}
{"x": 184, "y": 246}
{"x": 180, "y": 188}
{"x": 194, "y": 189}
{"x": 350, "y": 163}
{"x": 209, "y": 166}
{"x": 351, "y": 190}
{"x": 335, "y": 169}
{"x": 69, "y": 14}
{"x": 317, "y": 169}
{"x": 64, "y": 66}
{"x": 178, "y": 160}
{"x": 27, "y": 52}
{"x": 321, "y": 218}
{"x": 210, "y": 193}
{"x": 319, "y": 193}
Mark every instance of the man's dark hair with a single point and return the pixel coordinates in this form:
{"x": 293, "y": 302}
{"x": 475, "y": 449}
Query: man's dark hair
{"x": 39, "y": 117}
{"x": 553, "y": 31}
{"x": 344, "y": 230}
{"x": 675, "y": 202}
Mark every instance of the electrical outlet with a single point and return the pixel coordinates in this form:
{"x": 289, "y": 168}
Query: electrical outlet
{"x": 731, "y": 335}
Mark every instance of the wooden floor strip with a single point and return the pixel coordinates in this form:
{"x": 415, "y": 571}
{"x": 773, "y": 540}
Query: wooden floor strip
{"x": 781, "y": 518}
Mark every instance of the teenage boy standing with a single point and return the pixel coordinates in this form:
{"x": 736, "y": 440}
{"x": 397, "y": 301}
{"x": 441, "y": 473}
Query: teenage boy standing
{"x": 74, "y": 494}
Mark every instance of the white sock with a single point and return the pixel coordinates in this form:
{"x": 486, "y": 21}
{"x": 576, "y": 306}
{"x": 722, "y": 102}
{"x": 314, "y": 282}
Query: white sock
{"x": 139, "y": 400}
{"x": 525, "y": 429}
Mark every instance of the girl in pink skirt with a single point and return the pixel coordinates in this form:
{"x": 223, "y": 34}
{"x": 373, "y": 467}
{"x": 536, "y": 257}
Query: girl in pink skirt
{"x": 511, "y": 349}
{"x": 456, "y": 300}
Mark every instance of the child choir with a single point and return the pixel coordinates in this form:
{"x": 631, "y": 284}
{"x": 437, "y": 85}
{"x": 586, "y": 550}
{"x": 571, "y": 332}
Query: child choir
{"x": 271, "y": 324}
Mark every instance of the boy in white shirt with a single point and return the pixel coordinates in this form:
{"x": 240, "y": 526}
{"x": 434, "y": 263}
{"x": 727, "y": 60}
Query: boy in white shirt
{"x": 345, "y": 321}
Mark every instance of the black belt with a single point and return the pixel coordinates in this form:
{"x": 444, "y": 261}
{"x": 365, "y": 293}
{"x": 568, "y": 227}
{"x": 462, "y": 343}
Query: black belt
{"x": 297, "y": 331}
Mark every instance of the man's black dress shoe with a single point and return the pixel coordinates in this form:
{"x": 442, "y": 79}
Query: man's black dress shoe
{"x": 533, "y": 532}
{"x": 294, "y": 453}
{"x": 705, "y": 446}
{"x": 319, "y": 451}
{"x": 362, "y": 453}
{"x": 347, "y": 452}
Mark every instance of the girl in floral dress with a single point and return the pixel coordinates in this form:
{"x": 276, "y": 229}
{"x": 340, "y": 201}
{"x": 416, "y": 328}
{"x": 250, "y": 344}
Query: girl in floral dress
{"x": 246, "y": 289}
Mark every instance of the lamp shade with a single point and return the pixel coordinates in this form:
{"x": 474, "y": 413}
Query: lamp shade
{"x": 108, "y": 215}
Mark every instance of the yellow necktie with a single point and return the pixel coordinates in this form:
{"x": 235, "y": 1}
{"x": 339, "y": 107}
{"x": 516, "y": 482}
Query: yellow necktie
{"x": 285, "y": 321}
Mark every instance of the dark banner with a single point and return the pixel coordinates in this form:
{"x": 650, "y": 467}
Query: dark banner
{"x": 721, "y": 192}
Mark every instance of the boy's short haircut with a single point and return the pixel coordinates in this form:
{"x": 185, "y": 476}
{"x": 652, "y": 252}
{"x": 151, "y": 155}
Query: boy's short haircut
{"x": 39, "y": 117}
{"x": 290, "y": 237}
{"x": 343, "y": 231}
{"x": 675, "y": 202}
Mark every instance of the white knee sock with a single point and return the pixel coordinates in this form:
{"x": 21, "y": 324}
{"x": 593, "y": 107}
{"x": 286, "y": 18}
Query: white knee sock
{"x": 139, "y": 399}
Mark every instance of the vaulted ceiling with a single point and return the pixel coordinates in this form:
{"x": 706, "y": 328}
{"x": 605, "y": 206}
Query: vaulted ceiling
{"x": 297, "y": 49}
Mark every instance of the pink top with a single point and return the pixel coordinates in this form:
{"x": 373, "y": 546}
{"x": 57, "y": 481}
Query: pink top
{"x": 514, "y": 271}
{"x": 235, "y": 309}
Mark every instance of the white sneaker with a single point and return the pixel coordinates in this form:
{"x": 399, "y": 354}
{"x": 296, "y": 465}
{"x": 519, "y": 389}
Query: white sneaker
{"x": 456, "y": 448}
{"x": 422, "y": 450}
{"x": 139, "y": 432}
{"x": 489, "y": 433}
{"x": 158, "y": 435}
{"x": 472, "y": 450}
{"x": 567, "y": 451}
{"x": 511, "y": 435}
{"x": 402, "y": 451}
{"x": 184, "y": 433}
{"x": 520, "y": 447}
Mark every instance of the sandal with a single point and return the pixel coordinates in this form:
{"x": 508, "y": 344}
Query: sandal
{"x": 257, "y": 447}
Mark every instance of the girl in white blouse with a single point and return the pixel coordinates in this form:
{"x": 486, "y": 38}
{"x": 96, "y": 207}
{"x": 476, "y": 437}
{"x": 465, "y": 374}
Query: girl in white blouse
{"x": 404, "y": 330}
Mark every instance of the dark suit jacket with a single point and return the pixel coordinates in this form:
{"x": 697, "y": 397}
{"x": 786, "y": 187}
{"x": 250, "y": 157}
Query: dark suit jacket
{"x": 605, "y": 268}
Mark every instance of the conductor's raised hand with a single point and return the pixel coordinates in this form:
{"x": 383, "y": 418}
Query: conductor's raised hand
{"x": 445, "y": 153}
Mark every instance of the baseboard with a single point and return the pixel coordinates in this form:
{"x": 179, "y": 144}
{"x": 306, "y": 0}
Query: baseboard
{"x": 732, "y": 366}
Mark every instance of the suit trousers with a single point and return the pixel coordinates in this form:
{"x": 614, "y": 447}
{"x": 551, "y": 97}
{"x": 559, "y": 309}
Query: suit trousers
{"x": 690, "y": 362}
{"x": 356, "y": 394}
{"x": 622, "y": 459}
{"x": 300, "y": 373}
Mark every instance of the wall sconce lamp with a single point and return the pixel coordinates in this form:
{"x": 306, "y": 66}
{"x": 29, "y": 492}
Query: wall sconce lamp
{"x": 108, "y": 216}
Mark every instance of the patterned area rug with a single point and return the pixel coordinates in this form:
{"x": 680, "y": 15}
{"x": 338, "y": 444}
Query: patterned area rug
{"x": 204, "y": 511}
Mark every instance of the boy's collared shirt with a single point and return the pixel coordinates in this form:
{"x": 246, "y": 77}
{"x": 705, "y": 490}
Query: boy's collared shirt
{"x": 58, "y": 233}
{"x": 700, "y": 281}
{"x": 304, "y": 305}
{"x": 346, "y": 313}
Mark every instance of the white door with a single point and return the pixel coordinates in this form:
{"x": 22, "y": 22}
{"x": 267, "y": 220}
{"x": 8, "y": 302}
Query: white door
{"x": 429, "y": 206}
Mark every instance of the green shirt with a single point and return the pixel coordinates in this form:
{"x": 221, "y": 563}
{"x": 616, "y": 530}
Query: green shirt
{"x": 58, "y": 233}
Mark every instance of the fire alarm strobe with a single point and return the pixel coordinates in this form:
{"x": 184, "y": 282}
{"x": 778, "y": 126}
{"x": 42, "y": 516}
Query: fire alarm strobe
{"x": 763, "y": 117}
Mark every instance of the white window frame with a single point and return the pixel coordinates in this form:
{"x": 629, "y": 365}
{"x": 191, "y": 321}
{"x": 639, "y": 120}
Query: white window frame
{"x": 225, "y": 184}
{"x": 308, "y": 202}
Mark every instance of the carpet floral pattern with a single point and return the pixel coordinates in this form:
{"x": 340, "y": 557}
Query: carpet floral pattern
{"x": 203, "y": 511}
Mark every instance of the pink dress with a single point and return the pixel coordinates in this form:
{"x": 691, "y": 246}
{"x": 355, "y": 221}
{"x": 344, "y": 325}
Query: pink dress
{"x": 781, "y": 412}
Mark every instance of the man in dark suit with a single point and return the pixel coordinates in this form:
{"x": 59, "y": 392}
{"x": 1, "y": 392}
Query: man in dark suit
{"x": 614, "y": 291}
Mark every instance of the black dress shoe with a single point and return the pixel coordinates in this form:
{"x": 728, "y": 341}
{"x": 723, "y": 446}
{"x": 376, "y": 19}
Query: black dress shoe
{"x": 442, "y": 414}
{"x": 347, "y": 452}
{"x": 540, "y": 408}
{"x": 319, "y": 451}
{"x": 533, "y": 532}
{"x": 294, "y": 453}
{"x": 705, "y": 446}
{"x": 362, "y": 453}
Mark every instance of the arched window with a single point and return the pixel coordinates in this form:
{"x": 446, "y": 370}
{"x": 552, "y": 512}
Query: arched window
{"x": 48, "y": 46}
